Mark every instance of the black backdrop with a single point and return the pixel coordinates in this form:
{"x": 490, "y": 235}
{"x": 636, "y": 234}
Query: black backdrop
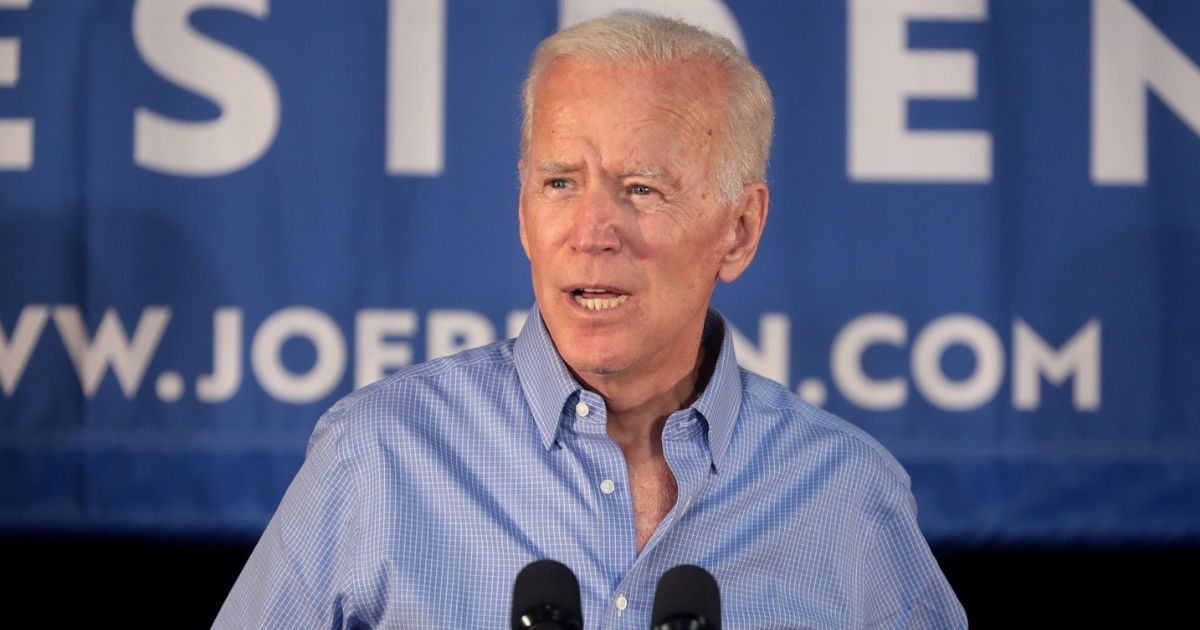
{"x": 141, "y": 583}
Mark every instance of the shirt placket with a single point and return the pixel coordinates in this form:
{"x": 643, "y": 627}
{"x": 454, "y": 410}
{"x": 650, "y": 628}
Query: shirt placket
{"x": 686, "y": 452}
{"x": 608, "y": 484}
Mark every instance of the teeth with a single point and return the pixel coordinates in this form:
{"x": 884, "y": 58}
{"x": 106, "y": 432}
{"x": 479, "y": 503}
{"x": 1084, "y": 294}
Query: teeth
{"x": 600, "y": 304}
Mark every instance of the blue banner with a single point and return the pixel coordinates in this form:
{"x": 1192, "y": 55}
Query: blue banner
{"x": 219, "y": 216}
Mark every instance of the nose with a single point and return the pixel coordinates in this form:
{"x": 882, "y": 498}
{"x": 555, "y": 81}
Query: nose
{"x": 596, "y": 226}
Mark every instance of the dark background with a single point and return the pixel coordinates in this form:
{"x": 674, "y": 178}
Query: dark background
{"x": 138, "y": 583}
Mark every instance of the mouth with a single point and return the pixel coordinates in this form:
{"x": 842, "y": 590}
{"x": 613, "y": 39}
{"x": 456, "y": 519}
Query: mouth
{"x": 598, "y": 298}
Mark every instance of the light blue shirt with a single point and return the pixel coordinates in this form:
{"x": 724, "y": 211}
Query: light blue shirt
{"x": 422, "y": 496}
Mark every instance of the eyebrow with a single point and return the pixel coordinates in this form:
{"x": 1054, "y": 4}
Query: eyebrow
{"x": 657, "y": 173}
{"x": 554, "y": 167}
{"x": 649, "y": 172}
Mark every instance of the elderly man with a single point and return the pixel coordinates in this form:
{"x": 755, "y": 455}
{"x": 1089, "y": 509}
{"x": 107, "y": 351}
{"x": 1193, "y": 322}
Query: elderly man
{"x": 616, "y": 434}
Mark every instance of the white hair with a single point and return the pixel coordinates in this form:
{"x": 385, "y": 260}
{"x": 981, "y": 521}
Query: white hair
{"x": 646, "y": 39}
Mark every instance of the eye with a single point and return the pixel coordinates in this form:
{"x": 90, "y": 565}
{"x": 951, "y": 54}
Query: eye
{"x": 640, "y": 190}
{"x": 558, "y": 183}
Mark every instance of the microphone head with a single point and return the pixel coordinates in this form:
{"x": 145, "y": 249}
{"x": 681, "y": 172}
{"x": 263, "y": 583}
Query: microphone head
{"x": 687, "y": 597}
{"x": 546, "y": 595}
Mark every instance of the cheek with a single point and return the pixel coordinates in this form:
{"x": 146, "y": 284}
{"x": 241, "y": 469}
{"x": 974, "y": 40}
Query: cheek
{"x": 544, "y": 225}
{"x": 706, "y": 244}
{"x": 684, "y": 277}
{"x": 695, "y": 269}
{"x": 532, "y": 233}
{"x": 542, "y": 251}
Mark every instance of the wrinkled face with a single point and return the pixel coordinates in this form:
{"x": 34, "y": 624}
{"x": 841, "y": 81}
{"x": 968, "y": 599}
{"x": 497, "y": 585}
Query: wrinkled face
{"x": 620, "y": 215}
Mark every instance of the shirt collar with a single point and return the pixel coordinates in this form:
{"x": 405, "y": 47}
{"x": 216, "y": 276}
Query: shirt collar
{"x": 548, "y": 385}
{"x": 722, "y": 397}
{"x": 544, "y": 377}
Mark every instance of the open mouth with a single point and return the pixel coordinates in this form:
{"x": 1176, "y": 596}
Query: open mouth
{"x": 598, "y": 299}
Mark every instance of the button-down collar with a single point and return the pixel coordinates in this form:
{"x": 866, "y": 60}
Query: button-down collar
{"x": 549, "y": 386}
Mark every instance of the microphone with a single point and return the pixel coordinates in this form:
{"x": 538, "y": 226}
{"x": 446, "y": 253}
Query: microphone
{"x": 687, "y": 598}
{"x": 546, "y": 597}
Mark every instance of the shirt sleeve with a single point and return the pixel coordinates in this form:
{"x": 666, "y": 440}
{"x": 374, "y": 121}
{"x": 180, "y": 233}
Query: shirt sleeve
{"x": 299, "y": 573}
{"x": 904, "y": 587}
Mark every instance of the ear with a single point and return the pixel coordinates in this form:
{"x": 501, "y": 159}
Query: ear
{"x": 521, "y": 208}
{"x": 750, "y": 217}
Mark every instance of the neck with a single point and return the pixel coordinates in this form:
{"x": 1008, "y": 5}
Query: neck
{"x": 638, "y": 405}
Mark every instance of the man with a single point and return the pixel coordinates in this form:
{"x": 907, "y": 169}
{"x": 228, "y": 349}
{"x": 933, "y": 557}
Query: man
{"x": 616, "y": 434}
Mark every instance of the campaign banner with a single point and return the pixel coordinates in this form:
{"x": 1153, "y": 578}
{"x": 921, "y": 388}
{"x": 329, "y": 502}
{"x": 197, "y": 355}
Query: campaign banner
{"x": 217, "y": 217}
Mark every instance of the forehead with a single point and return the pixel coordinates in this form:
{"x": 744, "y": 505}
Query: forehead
{"x": 696, "y": 78}
{"x": 578, "y": 96}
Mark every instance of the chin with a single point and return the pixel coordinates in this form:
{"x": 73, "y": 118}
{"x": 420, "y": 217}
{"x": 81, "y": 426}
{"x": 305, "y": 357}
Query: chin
{"x": 598, "y": 371}
{"x": 592, "y": 366}
{"x": 601, "y": 364}
{"x": 591, "y": 350}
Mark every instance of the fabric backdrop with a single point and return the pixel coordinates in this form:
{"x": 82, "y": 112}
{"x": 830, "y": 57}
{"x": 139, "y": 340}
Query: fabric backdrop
{"x": 219, "y": 216}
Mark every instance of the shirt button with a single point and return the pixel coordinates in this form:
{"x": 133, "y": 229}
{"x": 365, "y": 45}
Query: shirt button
{"x": 581, "y": 409}
{"x": 607, "y": 486}
{"x": 621, "y": 603}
